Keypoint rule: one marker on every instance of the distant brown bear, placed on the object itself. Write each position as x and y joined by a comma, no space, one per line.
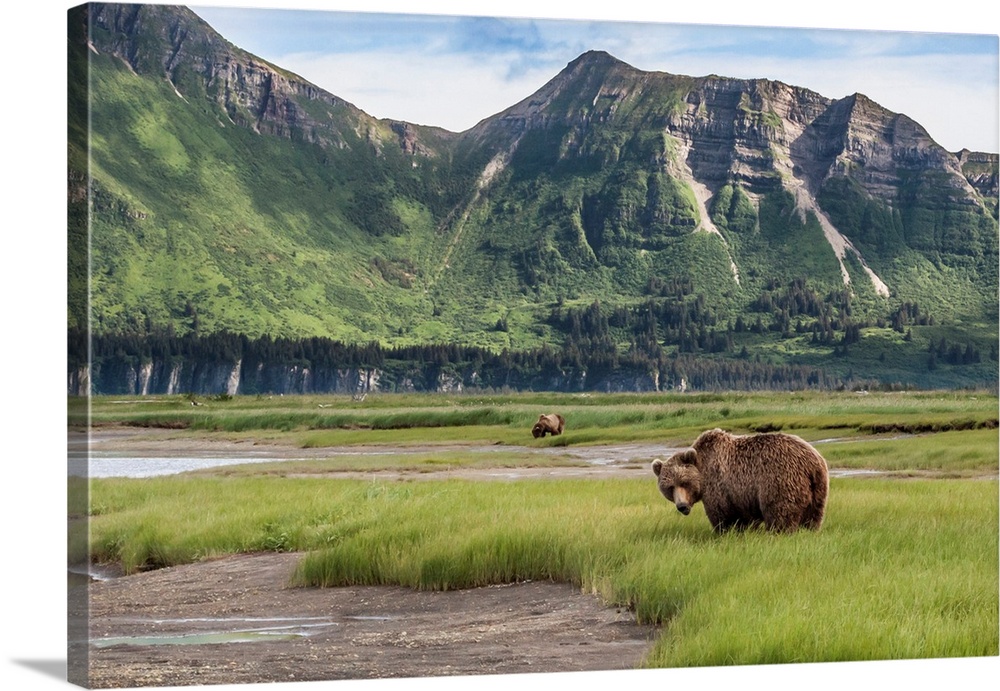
775,480
548,424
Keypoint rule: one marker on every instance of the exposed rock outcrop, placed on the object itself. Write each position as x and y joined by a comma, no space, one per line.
249,91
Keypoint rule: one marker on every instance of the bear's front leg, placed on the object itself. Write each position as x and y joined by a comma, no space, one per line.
722,521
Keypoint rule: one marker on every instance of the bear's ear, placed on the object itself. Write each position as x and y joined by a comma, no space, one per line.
657,464
689,457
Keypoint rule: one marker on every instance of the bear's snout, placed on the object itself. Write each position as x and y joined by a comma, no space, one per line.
684,508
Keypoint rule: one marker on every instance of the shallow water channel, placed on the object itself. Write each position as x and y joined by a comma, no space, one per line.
89,457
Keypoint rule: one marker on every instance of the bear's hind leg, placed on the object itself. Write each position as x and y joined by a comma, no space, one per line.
812,517
784,517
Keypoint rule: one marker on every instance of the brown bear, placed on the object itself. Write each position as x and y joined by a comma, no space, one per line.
774,479
548,424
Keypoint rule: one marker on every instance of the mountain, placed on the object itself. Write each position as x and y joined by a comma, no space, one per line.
713,216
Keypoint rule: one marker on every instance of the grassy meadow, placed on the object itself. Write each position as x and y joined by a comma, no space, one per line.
906,565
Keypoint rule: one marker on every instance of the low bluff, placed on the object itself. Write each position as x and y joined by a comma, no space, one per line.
212,378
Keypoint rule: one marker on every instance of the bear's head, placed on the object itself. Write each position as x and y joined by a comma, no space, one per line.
538,430
679,479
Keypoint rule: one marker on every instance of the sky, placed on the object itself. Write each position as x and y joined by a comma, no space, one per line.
449,68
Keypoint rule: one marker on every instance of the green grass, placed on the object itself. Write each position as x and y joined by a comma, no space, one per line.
901,568
590,419
904,567
846,594
951,452
890,576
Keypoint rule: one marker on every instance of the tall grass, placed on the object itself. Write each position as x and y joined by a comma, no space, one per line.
901,568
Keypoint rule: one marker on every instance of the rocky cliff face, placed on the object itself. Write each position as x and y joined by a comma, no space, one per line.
980,169
250,92
882,148
757,133
744,131
158,377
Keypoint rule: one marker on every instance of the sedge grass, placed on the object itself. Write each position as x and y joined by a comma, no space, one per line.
422,462
591,418
901,569
949,452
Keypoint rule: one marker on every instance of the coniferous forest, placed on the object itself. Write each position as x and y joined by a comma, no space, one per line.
673,341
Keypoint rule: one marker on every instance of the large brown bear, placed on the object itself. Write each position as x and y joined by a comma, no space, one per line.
776,480
548,424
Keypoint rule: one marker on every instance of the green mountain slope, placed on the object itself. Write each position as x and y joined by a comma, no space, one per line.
224,194
200,221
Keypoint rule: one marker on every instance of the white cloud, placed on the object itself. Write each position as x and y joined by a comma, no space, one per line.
452,92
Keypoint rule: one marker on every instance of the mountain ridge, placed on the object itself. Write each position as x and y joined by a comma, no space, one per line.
604,182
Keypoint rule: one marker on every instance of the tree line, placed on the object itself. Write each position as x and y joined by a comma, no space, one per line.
433,367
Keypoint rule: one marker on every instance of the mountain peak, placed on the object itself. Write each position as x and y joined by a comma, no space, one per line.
596,61
596,57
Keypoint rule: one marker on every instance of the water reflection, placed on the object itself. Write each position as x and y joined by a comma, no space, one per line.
107,465
255,635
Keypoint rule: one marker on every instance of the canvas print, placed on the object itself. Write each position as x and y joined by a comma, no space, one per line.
422,346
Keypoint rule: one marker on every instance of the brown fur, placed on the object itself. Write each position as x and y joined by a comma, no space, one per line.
548,424
776,480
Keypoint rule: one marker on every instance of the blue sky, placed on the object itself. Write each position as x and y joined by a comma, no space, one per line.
451,68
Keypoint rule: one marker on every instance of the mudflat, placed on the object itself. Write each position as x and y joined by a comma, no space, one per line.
237,620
